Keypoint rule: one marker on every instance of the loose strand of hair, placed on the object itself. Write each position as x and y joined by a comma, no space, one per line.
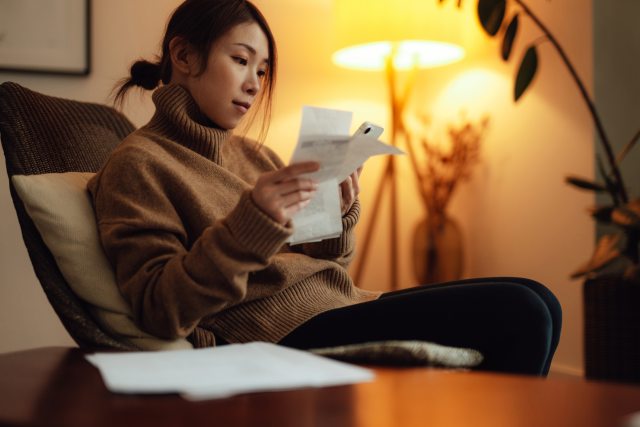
119,92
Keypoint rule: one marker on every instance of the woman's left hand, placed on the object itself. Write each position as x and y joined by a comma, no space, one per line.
349,190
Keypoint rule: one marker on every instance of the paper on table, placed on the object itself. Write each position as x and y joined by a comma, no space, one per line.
324,139
632,420
222,371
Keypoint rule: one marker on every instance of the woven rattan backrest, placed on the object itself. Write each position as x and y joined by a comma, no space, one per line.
43,134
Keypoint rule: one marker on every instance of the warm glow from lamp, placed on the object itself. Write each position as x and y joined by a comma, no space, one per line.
406,55
393,35
413,33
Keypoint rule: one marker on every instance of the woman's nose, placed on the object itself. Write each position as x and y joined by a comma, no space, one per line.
252,85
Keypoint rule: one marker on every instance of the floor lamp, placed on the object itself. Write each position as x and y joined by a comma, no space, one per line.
392,35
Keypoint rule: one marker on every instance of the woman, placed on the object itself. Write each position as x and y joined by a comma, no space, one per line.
195,220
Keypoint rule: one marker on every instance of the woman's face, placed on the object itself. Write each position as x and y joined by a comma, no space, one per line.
236,67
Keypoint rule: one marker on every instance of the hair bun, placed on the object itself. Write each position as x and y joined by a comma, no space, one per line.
145,74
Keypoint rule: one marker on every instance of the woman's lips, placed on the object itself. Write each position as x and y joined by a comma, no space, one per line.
243,107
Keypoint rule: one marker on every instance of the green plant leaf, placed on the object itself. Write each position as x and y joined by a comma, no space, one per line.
584,184
509,37
491,14
526,72
605,252
602,213
628,216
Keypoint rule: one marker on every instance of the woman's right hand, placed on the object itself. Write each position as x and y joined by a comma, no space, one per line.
283,193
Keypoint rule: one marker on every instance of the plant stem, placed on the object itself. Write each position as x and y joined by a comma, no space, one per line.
585,95
627,148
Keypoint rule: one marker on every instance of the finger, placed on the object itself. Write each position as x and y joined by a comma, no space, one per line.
359,170
297,197
344,185
347,190
355,183
293,185
291,210
292,171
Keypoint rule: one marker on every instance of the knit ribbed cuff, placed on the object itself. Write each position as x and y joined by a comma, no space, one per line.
350,219
255,230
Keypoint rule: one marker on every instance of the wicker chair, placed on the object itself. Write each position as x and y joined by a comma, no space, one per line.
43,134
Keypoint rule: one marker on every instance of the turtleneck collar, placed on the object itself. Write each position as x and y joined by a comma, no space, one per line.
178,118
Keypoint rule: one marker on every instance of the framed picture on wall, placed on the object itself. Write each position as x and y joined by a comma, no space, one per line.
45,36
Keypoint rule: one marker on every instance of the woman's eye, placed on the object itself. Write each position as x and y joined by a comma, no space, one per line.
262,74
240,60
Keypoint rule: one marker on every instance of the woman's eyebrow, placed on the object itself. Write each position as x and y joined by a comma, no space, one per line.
250,49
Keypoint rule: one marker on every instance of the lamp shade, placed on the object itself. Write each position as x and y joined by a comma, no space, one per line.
416,33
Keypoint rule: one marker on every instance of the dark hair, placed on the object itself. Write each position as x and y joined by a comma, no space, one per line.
201,23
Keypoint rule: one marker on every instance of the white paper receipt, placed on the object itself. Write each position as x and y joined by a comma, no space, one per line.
324,138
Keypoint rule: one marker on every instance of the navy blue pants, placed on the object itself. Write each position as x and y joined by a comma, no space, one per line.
514,322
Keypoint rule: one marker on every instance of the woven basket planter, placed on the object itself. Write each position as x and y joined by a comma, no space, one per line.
612,330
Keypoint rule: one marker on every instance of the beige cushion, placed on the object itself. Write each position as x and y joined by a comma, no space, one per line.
60,207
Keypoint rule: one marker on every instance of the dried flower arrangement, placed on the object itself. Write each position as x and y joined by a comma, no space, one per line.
445,165
444,162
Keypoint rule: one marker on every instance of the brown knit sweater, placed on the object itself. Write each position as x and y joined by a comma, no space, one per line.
192,253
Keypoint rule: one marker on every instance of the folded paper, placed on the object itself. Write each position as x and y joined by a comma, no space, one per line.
324,138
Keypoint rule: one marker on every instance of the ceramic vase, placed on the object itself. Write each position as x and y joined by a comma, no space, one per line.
437,250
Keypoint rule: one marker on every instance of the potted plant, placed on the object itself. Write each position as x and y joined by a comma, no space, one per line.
611,288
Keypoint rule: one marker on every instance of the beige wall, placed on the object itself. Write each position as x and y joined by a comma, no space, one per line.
617,88
517,215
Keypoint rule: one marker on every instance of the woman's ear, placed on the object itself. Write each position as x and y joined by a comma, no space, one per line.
183,58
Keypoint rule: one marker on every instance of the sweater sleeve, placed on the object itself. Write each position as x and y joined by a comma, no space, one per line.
170,286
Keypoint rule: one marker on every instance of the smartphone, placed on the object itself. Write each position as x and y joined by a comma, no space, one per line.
369,129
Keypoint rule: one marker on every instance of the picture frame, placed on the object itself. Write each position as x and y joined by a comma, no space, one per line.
45,37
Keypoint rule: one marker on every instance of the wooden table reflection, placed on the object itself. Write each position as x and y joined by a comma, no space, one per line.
57,387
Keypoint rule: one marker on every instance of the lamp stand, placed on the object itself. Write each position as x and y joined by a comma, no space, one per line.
398,102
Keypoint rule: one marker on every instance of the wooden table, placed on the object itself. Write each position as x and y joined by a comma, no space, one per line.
57,387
